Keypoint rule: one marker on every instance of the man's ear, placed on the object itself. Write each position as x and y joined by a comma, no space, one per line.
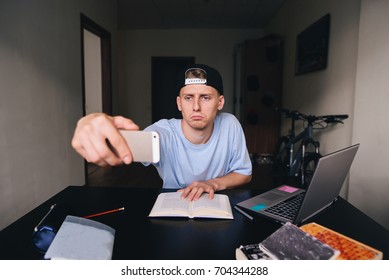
221,102
178,100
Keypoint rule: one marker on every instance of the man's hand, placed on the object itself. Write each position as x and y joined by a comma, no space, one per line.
197,188
98,140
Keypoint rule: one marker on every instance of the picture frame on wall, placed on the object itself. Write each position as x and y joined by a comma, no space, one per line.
312,46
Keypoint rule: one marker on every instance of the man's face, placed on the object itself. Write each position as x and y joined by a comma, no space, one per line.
199,105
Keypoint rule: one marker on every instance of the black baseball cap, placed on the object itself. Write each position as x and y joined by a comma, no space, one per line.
212,79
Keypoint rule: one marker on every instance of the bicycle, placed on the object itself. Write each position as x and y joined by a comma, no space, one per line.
301,164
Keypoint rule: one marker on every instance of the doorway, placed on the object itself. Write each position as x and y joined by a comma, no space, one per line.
164,92
96,73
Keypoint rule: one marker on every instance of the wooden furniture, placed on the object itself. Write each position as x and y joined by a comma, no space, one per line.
261,85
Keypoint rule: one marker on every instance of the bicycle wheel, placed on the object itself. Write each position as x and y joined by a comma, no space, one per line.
310,163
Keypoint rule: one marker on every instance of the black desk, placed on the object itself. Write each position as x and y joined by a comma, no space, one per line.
139,237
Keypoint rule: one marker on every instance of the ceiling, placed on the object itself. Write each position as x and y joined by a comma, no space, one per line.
196,14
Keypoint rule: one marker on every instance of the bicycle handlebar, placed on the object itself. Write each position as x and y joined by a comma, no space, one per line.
296,115
334,118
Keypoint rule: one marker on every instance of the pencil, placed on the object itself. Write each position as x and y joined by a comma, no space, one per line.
104,213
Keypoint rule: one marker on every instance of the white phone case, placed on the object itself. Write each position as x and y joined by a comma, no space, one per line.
144,145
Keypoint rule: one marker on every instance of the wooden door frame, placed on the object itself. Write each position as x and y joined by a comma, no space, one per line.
106,70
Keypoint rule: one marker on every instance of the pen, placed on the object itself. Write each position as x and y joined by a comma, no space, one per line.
243,213
104,213
37,226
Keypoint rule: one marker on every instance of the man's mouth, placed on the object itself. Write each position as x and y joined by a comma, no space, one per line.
196,118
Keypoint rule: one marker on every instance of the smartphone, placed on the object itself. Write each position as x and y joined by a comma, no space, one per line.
144,145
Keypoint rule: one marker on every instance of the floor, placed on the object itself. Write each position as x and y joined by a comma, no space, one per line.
137,175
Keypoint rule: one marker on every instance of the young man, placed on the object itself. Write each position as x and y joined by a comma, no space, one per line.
205,151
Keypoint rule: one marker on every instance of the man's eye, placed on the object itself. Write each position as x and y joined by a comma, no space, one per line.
188,98
206,97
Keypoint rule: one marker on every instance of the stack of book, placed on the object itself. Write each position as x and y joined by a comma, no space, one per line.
350,249
308,242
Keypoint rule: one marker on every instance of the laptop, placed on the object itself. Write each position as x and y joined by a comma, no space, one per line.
290,204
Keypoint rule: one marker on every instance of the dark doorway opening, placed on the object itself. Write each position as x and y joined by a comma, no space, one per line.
164,74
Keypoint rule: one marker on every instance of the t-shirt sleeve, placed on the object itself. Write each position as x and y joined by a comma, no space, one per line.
240,160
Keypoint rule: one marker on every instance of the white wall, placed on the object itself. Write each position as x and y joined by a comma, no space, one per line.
41,100
323,92
369,181
354,83
136,47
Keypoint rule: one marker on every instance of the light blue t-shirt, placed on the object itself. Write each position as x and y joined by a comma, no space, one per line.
183,162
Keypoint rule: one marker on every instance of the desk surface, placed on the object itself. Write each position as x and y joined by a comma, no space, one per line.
139,237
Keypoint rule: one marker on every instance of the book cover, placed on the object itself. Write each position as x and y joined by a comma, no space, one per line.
288,243
172,205
251,252
349,248
82,239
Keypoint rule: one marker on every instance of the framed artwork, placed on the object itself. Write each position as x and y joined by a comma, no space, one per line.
312,46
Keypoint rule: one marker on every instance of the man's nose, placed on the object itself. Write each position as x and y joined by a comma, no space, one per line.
196,105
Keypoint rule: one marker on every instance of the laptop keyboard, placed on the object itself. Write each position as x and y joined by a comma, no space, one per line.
287,209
